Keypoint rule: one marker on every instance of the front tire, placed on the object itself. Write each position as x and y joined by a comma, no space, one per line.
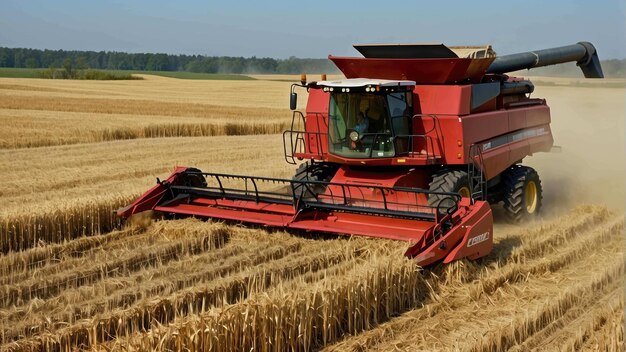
309,171
195,179
523,193
450,182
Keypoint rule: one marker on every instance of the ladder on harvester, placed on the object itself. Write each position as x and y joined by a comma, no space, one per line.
475,173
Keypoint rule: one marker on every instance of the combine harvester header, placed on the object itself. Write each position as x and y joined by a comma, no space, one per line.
412,146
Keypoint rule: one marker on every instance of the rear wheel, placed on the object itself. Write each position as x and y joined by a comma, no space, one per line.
450,182
523,193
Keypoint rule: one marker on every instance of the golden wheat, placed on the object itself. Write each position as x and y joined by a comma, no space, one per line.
67,283
31,128
274,291
198,298
96,179
463,285
252,94
35,115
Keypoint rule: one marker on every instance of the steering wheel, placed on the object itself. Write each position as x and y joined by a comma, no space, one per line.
353,138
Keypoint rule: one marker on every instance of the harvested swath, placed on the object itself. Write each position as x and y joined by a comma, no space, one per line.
120,292
318,255
173,244
555,259
303,318
571,330
454,290
526,244
498,322
579,220
518,248
537,317
608,334
16,264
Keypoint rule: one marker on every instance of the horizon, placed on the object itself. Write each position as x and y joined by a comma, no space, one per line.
217,56
280,29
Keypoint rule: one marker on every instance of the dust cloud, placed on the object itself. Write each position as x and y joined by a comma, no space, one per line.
588,123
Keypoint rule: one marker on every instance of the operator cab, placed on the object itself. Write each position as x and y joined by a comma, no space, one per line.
369,118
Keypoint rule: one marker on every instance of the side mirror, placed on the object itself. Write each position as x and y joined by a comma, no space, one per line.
293,101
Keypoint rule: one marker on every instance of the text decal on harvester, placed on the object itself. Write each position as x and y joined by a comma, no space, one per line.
476,240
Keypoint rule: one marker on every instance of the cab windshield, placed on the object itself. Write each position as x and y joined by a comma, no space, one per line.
369,125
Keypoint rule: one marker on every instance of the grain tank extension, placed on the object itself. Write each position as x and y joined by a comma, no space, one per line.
413,145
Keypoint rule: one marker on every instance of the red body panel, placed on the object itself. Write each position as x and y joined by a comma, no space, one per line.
442,100
473,240
504,136
394,177
316,124
422,71
442,113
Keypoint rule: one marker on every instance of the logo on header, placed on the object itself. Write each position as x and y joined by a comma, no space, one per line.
478,239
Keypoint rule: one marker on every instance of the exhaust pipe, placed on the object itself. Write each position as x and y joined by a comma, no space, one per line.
583,53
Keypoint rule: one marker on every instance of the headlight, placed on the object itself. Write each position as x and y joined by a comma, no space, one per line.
354,136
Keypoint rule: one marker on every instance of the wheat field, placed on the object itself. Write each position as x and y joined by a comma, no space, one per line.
41,112
72,276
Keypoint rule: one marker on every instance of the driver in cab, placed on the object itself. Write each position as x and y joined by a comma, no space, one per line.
362,123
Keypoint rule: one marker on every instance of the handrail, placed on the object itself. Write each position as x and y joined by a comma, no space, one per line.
297,138
436,128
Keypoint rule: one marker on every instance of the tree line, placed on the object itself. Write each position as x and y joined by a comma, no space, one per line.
112,60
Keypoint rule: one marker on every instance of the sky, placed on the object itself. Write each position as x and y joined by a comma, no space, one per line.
313,29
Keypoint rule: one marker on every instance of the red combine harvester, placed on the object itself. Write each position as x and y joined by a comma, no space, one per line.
411,146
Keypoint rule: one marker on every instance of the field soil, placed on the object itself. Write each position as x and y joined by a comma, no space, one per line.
73,277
